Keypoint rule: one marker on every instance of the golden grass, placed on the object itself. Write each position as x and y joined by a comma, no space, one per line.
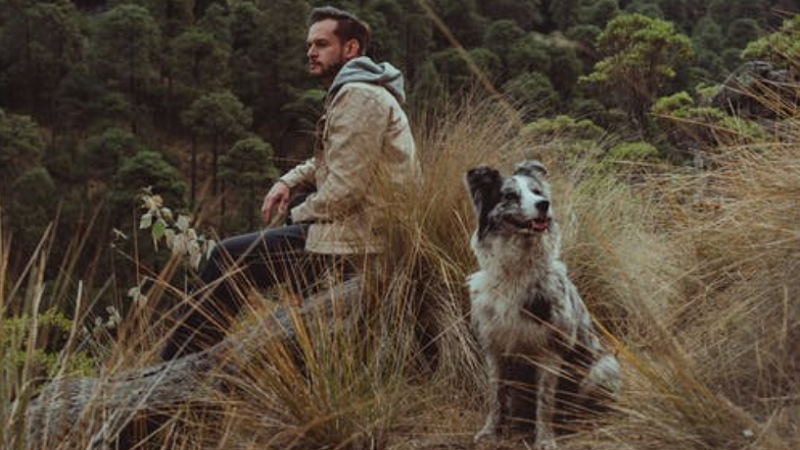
692,276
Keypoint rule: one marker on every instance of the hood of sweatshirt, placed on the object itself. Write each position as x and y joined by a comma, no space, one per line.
365,70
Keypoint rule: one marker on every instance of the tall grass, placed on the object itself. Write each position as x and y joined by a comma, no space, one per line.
697,295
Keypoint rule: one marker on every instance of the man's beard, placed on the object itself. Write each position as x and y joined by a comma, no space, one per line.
330,72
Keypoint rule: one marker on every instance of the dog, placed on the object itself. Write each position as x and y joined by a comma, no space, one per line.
540,347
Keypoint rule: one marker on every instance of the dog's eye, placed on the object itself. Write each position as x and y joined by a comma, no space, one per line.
536,191
510,196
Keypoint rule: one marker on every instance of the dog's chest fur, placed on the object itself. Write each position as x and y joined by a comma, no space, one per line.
518,297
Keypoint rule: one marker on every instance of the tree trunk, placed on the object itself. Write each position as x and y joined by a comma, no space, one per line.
214,164
193,171
94,412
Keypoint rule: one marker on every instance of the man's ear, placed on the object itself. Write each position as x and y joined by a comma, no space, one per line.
351,49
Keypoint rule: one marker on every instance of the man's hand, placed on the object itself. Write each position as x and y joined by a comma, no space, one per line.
278,196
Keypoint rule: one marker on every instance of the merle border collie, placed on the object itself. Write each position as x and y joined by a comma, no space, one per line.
543,356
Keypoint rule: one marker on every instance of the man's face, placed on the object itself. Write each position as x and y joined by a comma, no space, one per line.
326,53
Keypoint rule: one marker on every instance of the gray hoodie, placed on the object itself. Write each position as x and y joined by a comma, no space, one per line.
364,69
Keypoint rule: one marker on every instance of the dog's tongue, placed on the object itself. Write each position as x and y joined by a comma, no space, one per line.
539,225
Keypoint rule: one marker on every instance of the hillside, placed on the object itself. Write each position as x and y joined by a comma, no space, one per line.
676,184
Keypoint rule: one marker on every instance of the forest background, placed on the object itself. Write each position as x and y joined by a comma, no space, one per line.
208,101
678,201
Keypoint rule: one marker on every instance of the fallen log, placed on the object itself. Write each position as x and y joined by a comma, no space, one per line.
94,411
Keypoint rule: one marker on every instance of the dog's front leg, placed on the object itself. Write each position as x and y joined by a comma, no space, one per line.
498,393
547,380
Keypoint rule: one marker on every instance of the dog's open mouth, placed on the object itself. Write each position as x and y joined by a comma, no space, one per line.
539,224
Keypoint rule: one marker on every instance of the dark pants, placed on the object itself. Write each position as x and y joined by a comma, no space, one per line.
261,259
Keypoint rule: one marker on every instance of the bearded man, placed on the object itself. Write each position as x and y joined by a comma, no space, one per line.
363,147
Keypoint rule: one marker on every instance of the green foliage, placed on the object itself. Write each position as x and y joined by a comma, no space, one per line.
83,67
37,49
564,13
707,42
742,31
382,16
427,88
306,109
52,326
248,47
102,153
688,125
500,34
645,8
565,69
463,19
640,55
126,47
781,47
529,54
584,37
145,169
679,11
707,35
176,233
78,103
671,103
600,12
639,151
173,16
563,127
21,146
727,11
216,21
526,13
249,164
533,93
487,62
218,115
568,141
32,212
457,73
198,61
628,162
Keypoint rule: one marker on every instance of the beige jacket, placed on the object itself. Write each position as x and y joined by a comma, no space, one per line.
367,149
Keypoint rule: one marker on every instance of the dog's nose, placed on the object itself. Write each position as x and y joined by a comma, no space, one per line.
543,206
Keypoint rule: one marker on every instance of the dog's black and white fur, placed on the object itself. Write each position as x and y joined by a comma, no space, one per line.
529,318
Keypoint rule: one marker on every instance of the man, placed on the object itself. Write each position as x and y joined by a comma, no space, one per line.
363,148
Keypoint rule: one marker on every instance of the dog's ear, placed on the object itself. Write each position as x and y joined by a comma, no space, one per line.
531,168
484,185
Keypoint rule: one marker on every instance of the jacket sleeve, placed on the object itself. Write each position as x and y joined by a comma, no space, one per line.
302,174
356,124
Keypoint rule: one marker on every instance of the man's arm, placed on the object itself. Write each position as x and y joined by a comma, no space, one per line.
356,124
278,196
302,174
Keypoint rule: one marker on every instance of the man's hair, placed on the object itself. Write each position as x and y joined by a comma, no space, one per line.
348,26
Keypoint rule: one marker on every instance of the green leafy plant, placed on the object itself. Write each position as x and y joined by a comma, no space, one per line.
175,232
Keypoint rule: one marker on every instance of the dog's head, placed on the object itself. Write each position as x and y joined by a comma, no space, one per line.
519,203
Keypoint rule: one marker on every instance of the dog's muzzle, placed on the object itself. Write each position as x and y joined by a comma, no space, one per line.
537,225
